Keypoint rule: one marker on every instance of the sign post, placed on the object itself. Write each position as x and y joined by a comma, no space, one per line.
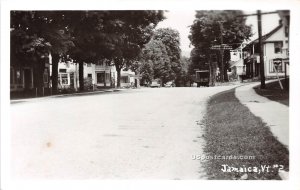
277,62
221,48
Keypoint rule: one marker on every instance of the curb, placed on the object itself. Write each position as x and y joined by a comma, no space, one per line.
64,95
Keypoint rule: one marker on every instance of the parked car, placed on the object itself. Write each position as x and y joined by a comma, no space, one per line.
169,84
155,84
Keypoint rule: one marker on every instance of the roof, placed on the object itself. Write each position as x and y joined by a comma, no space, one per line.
236,63
266,36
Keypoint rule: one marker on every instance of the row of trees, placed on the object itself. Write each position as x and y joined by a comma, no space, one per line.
212,28
161,58
84,36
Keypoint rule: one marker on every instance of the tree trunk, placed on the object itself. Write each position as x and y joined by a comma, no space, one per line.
81,79
118,77
54,77
119,62
212,72
225,73
39,73
222,68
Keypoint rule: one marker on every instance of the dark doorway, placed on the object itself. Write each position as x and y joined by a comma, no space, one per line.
135,83
27,79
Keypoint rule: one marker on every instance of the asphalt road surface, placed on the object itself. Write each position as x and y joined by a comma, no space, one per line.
135,134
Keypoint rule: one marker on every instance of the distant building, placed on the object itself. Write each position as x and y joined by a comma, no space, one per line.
26,75
99,75
276,54
129,79
237,63
96,76
104,75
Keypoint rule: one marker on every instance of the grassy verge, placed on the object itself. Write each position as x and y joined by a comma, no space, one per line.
232,130
274,92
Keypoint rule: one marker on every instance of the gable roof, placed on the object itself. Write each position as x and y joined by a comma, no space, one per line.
264,37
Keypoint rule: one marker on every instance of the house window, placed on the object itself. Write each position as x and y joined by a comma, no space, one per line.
124,79
278,65
64,79
278,47
62,70
100,78
89,75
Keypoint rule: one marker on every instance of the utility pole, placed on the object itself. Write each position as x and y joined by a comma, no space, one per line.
222,50
261,52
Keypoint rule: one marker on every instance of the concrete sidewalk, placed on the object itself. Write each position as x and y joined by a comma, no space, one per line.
274,114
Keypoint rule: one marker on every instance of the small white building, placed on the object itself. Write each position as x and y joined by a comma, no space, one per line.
96,76
104,75
276,54
68,75
237,63
129,79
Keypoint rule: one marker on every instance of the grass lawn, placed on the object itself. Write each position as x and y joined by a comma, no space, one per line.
232,130
274,92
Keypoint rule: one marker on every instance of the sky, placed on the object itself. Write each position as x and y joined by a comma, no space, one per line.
181,20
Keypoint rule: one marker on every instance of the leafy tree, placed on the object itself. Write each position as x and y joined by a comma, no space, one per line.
198,61
183,77
126,33
86,35
91,42
34,35
155,54
171,39
146,72
206,31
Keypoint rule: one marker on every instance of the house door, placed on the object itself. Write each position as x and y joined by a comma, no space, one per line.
27,79
72,84
135,83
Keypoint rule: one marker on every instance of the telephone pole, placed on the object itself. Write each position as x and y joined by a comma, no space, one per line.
222,50
261,52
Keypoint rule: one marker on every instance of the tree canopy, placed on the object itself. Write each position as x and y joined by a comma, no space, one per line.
155,54
207,31
163,53
126,33
35,34
86,36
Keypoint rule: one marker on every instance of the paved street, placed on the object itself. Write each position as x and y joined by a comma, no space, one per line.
135,134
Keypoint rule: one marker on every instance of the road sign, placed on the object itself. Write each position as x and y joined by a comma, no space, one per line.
220,47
